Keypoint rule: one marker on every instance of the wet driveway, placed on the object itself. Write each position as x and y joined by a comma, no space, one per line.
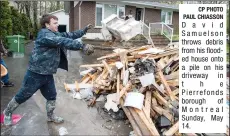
79,119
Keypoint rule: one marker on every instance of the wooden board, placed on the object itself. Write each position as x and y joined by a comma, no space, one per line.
172,130
147,107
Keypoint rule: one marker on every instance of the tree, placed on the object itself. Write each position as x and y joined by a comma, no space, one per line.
5,21
16,21
35,16
58,5
26,25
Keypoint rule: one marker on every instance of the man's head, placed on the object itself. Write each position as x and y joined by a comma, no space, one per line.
50,22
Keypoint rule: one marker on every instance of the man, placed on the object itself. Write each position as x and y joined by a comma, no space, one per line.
48,55
5,79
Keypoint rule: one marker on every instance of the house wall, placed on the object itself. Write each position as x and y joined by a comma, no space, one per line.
88,12
152,15
88,9
175,22
130,10
71,16
76,17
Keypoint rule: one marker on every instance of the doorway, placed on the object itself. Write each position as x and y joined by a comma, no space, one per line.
139,14
62,28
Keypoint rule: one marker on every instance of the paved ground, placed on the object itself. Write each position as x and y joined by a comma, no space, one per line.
79,119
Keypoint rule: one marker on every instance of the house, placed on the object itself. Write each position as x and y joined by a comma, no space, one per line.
63,20
83,12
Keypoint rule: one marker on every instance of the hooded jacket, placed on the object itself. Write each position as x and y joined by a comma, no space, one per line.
50,50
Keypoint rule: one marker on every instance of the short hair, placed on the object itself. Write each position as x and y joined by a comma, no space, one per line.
46,19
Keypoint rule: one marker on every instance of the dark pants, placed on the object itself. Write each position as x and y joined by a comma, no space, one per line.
4,79
32,82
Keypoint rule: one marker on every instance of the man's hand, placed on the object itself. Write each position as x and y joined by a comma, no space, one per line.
89,26
88,49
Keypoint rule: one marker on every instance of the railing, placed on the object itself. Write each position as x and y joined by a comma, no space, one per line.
162,29
146,32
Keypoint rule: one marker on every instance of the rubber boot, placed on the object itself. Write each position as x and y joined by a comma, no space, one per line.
50,106
8,112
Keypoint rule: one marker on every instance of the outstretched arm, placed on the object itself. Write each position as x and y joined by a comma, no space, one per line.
76,34
52,40
73,35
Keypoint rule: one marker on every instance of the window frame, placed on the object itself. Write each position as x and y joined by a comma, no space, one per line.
166,16
103,11
96,14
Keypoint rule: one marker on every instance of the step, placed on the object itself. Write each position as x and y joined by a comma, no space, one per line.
161,41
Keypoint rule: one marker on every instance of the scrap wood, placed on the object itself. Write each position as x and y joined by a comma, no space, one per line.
107,67
150,125
118,87
172,130
164,82
125,89
190,134
147,106
135,127
163,101
161,111
137,124
148,122
95,65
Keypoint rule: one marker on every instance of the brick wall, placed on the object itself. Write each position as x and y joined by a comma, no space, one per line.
131,9
88,10
71,16
175,22
76,17
87,16
152,15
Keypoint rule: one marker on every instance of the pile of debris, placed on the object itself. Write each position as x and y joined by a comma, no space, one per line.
142,81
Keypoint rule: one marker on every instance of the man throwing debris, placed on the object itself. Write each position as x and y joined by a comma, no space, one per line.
48,55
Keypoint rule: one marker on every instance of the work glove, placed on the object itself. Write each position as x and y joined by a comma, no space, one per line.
89,26
88,49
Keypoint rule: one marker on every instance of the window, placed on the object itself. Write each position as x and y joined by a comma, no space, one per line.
166,17
109,10
105,10
99,14
121,11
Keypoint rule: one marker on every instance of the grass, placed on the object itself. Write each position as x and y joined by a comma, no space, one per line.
175,38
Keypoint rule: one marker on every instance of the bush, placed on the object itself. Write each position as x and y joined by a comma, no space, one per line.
26,25
17,22
5,21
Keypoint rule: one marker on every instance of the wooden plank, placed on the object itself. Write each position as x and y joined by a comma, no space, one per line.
176,92
190,134
86,80
140,122
174,75
161,111
147,107
160,98
158,88
102,73
164,82
95,65
118,87
149,124
107,67
135,127
137,124
125,89
172,130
